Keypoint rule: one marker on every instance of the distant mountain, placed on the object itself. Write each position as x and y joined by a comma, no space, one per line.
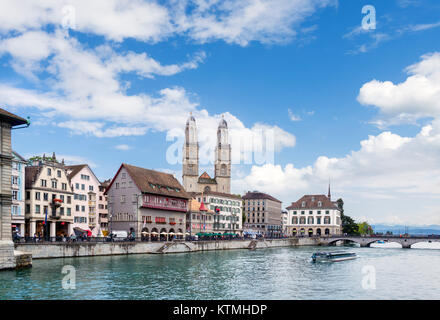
415,230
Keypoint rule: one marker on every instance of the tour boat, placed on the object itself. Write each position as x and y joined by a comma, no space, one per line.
335,256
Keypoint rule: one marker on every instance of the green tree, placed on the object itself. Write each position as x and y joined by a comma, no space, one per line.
365,228
349,226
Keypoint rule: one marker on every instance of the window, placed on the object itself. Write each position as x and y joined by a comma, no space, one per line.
326,220
28,195
123,175
294,212
37,196
49,171
122,198
83,208
77,208
303,204
327,212
69,213
54,184
14,195
59,173
83,187
45,196
43,183
117,185
37,208
319,204
14,180
28,208
90,188
64,186
319,211
310,212
76,185
62,211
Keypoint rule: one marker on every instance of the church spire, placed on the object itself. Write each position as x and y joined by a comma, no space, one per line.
329,194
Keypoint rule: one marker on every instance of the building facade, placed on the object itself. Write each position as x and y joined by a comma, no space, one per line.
48,193
148,201
103,206
191,180
17,186
314,215
85,186
7,122
263,213
227,210
199,218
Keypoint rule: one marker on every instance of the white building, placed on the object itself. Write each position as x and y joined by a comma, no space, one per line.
17,186
85,186
227,210
313,215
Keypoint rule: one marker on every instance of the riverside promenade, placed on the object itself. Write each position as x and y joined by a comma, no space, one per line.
89,249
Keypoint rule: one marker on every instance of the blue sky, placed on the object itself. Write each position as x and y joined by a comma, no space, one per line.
110,88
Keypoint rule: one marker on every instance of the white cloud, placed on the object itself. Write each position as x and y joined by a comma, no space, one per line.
241,22
237,22
416,97
123,147
292,116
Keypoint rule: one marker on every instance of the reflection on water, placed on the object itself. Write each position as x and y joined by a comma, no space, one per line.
282,273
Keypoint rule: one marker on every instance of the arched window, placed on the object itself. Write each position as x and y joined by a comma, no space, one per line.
295,220
310,220
326,220
302,220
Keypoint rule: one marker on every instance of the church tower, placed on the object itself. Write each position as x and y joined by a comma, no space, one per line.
190,170
223,159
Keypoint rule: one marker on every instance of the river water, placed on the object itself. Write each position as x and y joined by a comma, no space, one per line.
278,273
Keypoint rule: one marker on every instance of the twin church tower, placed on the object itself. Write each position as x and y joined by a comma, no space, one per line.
192,182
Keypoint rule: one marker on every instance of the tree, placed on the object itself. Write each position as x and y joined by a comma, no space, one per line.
365,228
349,226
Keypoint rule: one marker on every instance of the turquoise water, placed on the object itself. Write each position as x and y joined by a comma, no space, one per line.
280,273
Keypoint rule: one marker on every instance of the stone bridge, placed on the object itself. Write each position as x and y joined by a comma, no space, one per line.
406,242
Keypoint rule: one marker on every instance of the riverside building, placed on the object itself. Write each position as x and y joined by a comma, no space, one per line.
263,213
8,121
314,215
17,186
103,206
227,210
199,219
85,186
147,201
49,198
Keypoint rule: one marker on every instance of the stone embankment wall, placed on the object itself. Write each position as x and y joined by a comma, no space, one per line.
86,249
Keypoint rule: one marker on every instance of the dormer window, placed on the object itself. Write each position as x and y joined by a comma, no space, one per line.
313,199
303,204
319,204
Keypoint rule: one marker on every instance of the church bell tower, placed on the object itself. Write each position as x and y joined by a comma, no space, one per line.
190,170
223,158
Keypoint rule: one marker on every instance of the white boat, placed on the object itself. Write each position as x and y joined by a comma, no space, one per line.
335,256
